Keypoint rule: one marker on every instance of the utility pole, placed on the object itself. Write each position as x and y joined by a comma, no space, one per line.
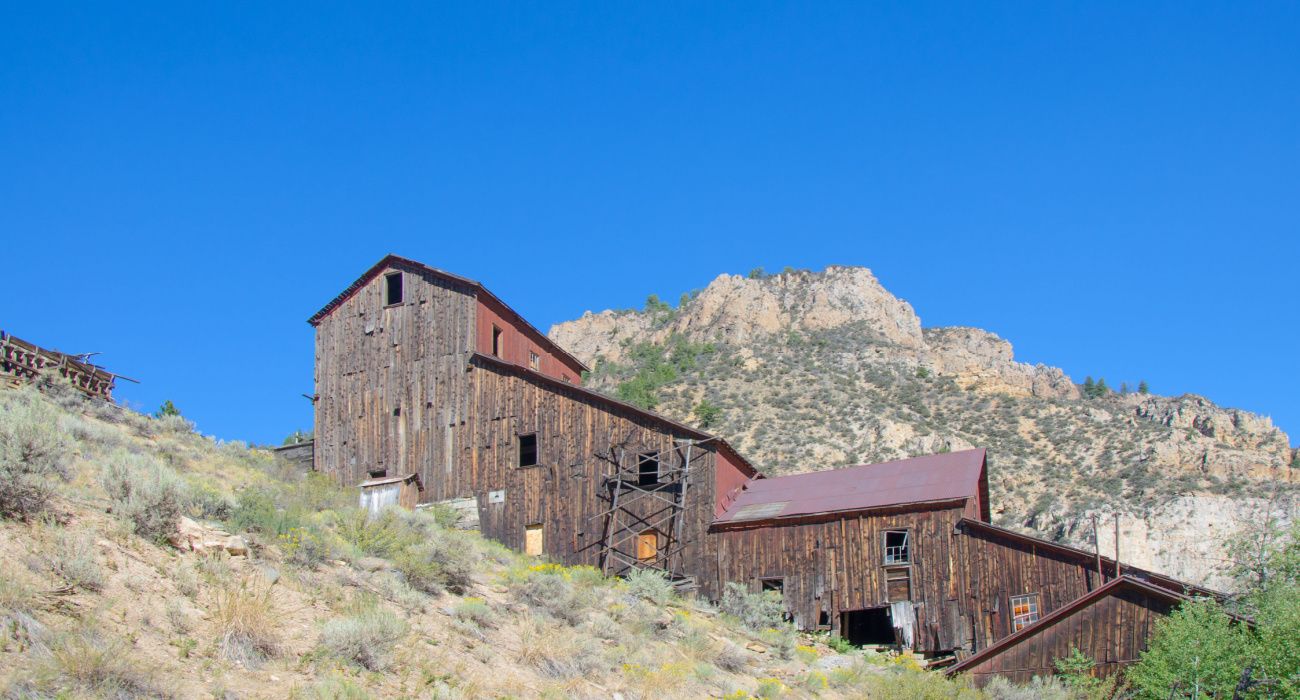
1116,544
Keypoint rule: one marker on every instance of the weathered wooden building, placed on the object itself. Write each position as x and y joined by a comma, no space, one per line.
1110,624
421,372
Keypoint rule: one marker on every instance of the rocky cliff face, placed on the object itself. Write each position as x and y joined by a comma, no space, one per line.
819,370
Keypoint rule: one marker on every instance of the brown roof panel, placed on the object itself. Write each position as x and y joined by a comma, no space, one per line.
933,478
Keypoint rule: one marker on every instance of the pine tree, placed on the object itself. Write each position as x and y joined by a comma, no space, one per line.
1101,387
1143,388
167,409
1089,388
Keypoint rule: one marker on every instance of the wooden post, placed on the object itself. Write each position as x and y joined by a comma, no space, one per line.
1116,544
1096,548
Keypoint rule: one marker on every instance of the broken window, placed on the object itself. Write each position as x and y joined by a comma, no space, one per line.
496,341
897,547
534,361
533,540
393,289
528,450
772,584
1024,611
647,468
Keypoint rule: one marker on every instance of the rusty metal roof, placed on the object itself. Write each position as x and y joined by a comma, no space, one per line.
933,478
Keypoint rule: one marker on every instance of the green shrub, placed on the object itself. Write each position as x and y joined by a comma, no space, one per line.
1196,647
650,584
34,454
305,546
444,560
382,535
367,637
72,558
757,611
474,611
144,493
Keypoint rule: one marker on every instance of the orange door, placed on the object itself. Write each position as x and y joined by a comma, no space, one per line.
647,546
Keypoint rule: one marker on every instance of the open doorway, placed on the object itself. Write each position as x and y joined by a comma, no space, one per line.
870,626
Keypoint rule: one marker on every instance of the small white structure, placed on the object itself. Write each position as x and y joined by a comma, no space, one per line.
384,491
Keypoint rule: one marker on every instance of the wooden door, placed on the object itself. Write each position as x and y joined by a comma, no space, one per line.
647,546
533,540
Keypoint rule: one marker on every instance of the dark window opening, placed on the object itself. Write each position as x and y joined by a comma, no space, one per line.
377,473
496,341
897,547
647,469
528,450
871,626
393,289
898,584
772,584
824,619
397,411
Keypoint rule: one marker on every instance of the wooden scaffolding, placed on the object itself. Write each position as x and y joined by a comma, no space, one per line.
645,521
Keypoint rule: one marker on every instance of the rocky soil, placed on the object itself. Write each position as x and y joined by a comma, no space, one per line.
817,370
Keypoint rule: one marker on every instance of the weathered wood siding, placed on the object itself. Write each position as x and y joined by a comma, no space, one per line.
518,339
389,380
837,565
577,434
1113,630
995,569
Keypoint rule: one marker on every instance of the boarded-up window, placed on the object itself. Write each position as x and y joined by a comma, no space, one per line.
393,289
528,450
648,469
647,546
897,547
898,583
533,540
1024,611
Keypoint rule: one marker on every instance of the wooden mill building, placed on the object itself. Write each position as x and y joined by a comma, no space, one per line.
427,376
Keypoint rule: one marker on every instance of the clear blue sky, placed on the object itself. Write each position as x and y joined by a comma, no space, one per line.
1114,188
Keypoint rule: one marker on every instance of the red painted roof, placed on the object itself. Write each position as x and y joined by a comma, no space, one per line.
933,478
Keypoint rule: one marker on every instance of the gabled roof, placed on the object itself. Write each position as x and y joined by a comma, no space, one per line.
932,479
1167,583
1074,606
596,396
391,260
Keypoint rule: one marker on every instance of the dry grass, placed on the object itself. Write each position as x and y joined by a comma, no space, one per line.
86,663
559,651
245,616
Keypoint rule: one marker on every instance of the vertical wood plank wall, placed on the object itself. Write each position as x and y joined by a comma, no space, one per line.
836,565
1113,631
390,379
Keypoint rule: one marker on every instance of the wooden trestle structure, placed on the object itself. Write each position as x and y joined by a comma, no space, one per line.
637,509
21,360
